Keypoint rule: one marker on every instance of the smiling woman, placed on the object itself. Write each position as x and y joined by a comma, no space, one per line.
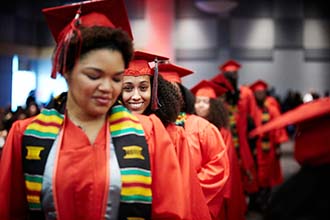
137,93
85,156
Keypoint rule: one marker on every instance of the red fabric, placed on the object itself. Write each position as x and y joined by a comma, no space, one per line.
221,80
81,177
13,204
312,138
259,85
207,92
230,65
312,141
166,174
80,194
138,68
307,111
102,13
235,206
246,107
173,73
270,100
195,199
139,65
208,89
210,159
269,169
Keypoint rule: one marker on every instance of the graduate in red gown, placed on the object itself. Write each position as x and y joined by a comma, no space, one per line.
85,156
267,151
241,105
140,97
207,147
209,106
306,194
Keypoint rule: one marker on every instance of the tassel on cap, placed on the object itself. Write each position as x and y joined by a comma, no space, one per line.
59,65
64,23
154,101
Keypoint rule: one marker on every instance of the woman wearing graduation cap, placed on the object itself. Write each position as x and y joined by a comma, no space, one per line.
209,106
145,92
241,105
269,173
208,150
267,110
85,156
306,194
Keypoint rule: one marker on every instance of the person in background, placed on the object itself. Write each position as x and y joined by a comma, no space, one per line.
32,109
85,156
242,107
306,194
268,151
210,107
140,97
208,150
291,100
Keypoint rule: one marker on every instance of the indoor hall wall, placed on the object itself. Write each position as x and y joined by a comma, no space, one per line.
286,43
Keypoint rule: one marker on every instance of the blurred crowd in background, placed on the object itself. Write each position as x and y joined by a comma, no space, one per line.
291,100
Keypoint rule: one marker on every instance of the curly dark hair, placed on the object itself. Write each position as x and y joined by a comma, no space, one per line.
168,102
218,114
96,37
188,100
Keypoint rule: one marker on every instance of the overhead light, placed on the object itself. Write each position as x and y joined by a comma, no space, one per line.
216,6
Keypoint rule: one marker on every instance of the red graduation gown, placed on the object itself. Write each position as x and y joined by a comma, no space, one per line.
246,107
269,170
210,159
235,206
196,203
81,181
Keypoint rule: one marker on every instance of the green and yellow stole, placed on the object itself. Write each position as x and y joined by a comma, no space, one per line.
265,140
131,151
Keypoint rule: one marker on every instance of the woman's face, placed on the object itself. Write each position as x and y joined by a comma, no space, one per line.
95,83
202,106
136,93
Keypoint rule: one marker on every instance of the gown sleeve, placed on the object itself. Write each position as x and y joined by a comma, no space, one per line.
13,204
195,199
215,168
167,188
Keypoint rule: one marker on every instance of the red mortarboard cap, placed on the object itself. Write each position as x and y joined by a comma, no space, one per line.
108,13
221,80
208,89
173,73
259,85
313,131
230,66
140,64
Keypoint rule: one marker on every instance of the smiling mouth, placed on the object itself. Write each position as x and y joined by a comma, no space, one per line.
135,105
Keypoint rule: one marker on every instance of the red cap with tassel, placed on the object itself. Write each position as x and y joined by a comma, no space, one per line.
173,73
208,89
139,66
64,22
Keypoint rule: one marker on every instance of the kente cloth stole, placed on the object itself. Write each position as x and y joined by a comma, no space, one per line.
131,151
232,110
181,119
265,141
